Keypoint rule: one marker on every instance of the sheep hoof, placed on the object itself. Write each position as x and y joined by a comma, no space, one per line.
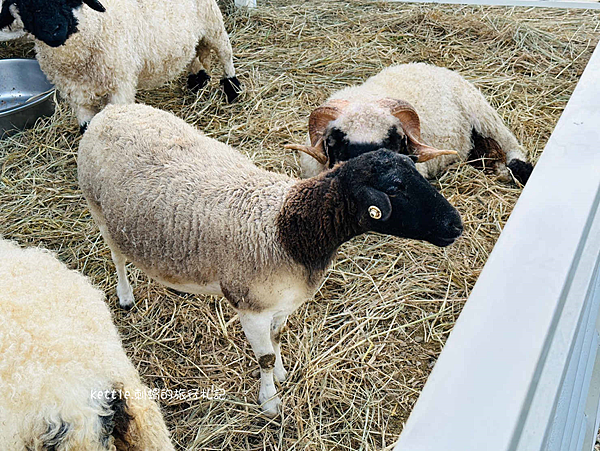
521,170
126,299
232,88
83,127
272,407
126,307
196,82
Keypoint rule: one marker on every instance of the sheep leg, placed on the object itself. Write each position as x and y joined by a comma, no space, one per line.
221,45
85,114
198,76
124,291
257,327
277,326
231,85
225,55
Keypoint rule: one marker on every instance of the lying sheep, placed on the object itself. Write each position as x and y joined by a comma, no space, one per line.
96,57
199,217
64,376
382,112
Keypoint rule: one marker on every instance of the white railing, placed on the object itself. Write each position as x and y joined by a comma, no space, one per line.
521,369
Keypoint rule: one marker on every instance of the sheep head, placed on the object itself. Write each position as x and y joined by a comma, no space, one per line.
325,137
390,196
50,21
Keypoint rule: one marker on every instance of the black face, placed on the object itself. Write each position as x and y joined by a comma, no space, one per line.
410,207
50,21
339,148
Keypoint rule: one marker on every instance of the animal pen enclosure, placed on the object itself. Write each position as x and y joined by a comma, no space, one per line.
360,352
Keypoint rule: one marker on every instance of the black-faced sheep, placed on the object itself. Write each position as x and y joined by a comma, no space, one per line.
199,217
396,107
95,57
66,382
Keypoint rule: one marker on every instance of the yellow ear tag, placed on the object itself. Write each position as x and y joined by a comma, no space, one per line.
374,212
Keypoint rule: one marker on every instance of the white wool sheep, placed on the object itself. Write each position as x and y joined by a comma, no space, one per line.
95,58
199,217
453,114
59,354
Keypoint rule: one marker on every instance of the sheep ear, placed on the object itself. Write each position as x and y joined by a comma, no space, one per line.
95,5
411,124
374,204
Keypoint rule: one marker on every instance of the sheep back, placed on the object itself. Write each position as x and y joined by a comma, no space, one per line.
183,207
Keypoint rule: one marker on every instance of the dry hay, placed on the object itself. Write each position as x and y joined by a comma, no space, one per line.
360,352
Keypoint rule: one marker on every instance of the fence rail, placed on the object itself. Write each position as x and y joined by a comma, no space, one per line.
521,369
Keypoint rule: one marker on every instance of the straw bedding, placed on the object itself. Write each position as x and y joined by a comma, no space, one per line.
360,352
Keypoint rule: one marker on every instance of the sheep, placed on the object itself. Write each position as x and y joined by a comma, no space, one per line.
104,53
66,382
393,108
199,217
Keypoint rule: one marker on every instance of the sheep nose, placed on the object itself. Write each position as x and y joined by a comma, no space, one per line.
57,30
458,229
454,226
54,35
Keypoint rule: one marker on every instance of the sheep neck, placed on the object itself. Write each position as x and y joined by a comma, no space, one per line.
316,219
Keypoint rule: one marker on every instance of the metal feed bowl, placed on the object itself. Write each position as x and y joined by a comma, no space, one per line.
25,94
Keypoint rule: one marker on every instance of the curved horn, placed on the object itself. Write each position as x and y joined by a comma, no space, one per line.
317,123
95,5
409,119
316,151
426,153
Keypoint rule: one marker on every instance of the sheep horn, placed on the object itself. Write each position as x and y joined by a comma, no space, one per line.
95,5
409,119
426,153
317,151
317,123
